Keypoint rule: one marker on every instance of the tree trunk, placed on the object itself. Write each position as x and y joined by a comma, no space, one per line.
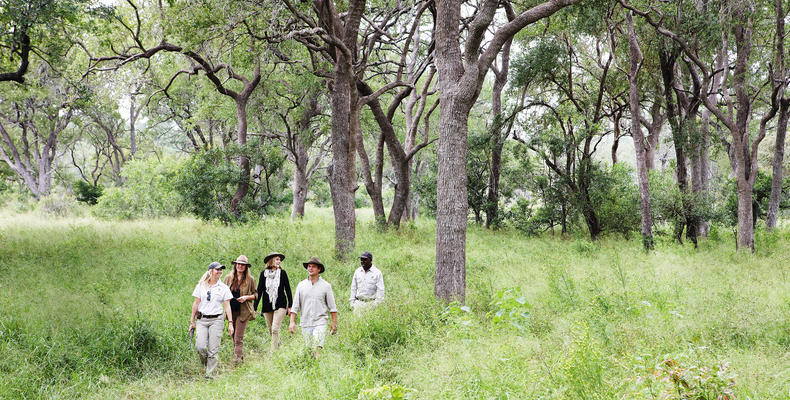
244,161
451,194
781,128
132,132
300,191
636,132
495,167
777,173
342,177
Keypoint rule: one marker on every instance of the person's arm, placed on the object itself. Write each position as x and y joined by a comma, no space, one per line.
261,289
195,305
228,315
294,310
353,289
380,288
333,327
287,288
251,296
330,303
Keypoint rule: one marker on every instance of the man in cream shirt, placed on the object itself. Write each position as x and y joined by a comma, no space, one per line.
367,285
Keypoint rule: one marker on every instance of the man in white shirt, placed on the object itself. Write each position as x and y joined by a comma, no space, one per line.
315,300
367,285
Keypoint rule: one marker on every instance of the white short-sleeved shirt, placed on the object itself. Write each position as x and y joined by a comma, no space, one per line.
219,293
314,302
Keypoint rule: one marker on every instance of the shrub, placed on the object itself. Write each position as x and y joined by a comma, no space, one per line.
386,392
147,192
87,193
208,182
510,309
58,204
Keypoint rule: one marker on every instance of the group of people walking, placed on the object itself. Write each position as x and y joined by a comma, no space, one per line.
236,299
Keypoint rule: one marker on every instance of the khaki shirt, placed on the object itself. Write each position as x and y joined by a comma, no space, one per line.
314,302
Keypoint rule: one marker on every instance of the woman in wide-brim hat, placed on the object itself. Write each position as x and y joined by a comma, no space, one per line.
275,296
242,286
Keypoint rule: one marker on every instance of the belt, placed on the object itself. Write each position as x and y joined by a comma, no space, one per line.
365,300
211,316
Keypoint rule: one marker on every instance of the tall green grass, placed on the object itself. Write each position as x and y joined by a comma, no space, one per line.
97,309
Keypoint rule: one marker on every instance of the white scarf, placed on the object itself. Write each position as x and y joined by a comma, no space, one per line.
272,284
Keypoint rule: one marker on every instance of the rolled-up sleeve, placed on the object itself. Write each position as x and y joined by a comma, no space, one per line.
330,299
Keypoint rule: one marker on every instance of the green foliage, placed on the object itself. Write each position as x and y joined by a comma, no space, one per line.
589,308
208,182
87,193
58,204
682,376
539,63
148,191
675,207
510,309
387,392
615,197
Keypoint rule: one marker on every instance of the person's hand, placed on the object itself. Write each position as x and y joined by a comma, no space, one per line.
242,299
292,328
333,328
191,326
230,329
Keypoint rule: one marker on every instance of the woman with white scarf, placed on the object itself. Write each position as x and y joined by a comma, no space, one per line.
274,294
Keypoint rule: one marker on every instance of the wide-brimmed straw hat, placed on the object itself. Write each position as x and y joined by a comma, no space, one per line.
242,259
272,255
316,261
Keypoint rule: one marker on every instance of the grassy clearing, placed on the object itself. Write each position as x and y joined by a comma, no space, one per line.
99,309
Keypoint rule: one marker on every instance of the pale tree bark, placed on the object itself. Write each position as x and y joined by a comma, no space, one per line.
636,132
653,128
461,77
31,148
499,133
743,149
211,71
784,114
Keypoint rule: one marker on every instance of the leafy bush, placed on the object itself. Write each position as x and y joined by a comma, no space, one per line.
510,309
208,182
87,193
386,392
58,204
615,197
678,377
148,191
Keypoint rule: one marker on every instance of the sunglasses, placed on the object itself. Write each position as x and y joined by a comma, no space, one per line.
208,296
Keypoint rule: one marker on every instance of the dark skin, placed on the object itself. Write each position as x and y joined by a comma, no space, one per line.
366,263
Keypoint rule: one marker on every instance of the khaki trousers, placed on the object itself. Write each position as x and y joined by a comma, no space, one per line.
209,335
274,319
239,327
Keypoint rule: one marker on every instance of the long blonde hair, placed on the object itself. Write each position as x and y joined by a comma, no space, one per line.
203,282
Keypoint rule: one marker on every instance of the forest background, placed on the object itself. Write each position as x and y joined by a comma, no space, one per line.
595,189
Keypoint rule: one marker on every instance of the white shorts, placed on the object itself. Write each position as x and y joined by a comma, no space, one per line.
314,335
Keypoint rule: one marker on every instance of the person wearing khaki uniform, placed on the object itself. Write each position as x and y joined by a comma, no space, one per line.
212,301
242,286
275,296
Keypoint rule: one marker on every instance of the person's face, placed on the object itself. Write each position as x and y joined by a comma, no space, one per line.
277,260
240,268
366,262
313,270
216,273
